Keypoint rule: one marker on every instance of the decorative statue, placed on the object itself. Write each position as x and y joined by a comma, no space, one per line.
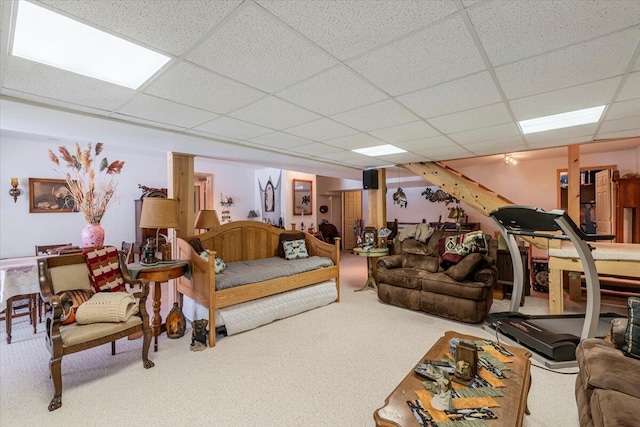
199,335
441,400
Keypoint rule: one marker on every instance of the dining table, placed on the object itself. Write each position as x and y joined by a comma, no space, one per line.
19,280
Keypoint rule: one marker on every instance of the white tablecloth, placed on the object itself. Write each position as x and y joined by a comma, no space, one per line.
18,276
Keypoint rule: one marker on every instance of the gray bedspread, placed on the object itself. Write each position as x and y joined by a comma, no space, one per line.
245,272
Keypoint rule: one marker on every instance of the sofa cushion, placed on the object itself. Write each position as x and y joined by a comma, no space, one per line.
408,278
631,345
401,297
412,246
612,408
465,267
441,283
422,262
285,237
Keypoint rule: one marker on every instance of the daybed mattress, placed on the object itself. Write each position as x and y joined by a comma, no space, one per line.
602,251
258,270
251,314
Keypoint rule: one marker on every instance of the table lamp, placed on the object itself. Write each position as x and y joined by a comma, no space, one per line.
207,219
456,213
157,213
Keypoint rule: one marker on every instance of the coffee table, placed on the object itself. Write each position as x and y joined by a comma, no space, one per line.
513,405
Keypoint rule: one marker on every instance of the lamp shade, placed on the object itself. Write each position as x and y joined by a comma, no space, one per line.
207,219
159,213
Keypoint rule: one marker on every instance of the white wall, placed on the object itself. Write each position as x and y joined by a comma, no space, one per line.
20,230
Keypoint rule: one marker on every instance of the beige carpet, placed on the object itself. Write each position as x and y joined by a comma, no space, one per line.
332,366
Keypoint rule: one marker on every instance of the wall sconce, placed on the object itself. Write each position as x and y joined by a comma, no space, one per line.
226,201
253,214
15,191
508,160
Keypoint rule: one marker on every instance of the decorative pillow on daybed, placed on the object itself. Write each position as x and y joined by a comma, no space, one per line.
220,265
285,237
112,307
453,249
71,300
295,249
104,269
631,345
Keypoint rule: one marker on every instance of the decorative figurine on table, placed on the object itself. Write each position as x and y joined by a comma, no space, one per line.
466,363
442,399
199,335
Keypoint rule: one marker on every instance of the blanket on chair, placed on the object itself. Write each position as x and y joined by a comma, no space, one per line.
112,307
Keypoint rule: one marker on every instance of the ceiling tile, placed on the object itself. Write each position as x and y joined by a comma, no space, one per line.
627,123
49,82
620,110
368,162
513,30
559,134
472,119
637,66
258,50
321,130
347,28
210,135
161,26
376,116
163,111
419,145
53,102
485,134
281,140
563,100
315,149
512,143
469,3
462,94
274,113
229,127
352,142
440,53
147,122
405,132
446,153
401,158
548,143
619,134
333,91
631,87
195,86
345,156
594,60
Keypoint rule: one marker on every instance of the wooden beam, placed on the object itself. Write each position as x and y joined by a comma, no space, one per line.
377,199
573,190
180,183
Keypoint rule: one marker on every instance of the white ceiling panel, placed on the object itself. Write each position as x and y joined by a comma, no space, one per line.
163,111
597,59
376,116
472,119
619,134
405,132
630,88
485,134
458,95
563,100
402,158
512,143
274,113
321,130
345,156
230,127
280,140
192,85
33,78
257,50
351,142
547,143
419,145
627,123
621,110
513,30
367,162
18,95
637,66
330,24
446,153
560,134
440,53
315,149
148,122
333,91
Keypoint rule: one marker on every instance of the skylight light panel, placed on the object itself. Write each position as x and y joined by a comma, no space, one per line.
380,150
52,39
562,120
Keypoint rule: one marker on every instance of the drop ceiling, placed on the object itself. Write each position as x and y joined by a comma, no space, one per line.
304,82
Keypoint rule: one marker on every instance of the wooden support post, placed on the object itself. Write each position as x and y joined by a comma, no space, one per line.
377,199
573,191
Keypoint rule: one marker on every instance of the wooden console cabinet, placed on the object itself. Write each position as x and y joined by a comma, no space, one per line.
627,205
504,265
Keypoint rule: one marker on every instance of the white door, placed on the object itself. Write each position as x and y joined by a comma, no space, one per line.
603,202
351,211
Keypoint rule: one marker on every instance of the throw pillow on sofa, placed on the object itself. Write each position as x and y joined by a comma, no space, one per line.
286,237
453,249
295,249
631,345
465,267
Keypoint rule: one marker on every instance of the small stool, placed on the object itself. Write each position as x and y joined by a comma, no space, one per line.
9,314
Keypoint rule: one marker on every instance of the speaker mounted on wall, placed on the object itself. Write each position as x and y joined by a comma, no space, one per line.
370,179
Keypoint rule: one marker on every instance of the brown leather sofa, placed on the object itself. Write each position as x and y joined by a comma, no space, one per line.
413,278
608,384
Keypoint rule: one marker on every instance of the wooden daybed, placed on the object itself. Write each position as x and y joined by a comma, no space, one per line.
244,241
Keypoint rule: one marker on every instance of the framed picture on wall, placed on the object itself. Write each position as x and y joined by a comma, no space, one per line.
302,200
50,195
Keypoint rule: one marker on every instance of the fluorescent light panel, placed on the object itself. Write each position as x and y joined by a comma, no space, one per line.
379,150
52,39
562,120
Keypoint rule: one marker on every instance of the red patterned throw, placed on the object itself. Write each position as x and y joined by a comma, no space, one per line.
104,270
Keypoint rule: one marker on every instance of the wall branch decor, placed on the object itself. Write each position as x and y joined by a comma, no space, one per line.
438,196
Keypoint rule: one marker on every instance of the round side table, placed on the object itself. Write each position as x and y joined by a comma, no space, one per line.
372,255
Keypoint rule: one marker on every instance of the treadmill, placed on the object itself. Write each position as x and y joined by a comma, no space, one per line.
552,338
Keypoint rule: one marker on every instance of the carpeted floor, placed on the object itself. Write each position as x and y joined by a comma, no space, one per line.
332,366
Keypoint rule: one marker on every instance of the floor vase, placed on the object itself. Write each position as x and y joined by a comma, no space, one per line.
92,236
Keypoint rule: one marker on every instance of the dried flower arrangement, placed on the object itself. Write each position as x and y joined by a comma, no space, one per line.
91,198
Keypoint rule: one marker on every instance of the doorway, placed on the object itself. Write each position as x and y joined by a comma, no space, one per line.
351,211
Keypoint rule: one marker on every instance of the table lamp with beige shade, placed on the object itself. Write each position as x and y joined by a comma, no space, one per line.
207,219
158,213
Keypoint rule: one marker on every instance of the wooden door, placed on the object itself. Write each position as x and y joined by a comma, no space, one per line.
603,202
351,211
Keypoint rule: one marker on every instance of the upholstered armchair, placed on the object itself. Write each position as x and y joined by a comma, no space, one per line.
65,283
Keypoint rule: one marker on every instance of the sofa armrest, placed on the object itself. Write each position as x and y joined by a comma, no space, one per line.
486,275
618,331
390,261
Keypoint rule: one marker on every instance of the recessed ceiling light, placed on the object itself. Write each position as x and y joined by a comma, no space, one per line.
52,39
562,120
380,150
